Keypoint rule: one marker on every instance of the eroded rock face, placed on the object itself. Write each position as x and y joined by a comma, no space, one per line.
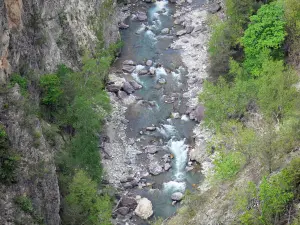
144,208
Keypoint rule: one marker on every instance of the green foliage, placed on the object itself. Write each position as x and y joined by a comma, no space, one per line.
224,101
24,203
219,48
21,81
85,204
277,94
266,31
292,18
51,91
227,165
8,159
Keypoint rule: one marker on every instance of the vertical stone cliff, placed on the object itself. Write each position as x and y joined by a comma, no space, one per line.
36,36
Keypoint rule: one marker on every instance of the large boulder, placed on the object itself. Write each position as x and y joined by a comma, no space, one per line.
144,208
177,196
128,202
123,211
122,94
149,62
114,87
135,85
142,16
127,87
128,68
129,62
181,32
155,168
214,8
198,113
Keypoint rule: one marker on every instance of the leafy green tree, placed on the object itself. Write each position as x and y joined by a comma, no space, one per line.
51,90
277,94
266,31
85,205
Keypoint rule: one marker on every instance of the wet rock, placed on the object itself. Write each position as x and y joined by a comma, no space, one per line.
143,72
152,103
189,29
122,25
123,211
149,62
129,202
129,62
189,168
135,85
181,32
148,1
122,94
214,8
152,71
142,16
165,31
128,68
177,196
161,81
167,166
155,168
127,87
175,115
172,1
144,208
150,128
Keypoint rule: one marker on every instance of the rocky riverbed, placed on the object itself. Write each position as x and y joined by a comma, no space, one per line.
148,152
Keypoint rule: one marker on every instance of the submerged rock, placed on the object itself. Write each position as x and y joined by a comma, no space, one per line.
177,196
144,208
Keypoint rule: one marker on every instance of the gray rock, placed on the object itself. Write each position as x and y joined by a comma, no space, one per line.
127,87
144,208
122,94
181,32
178,21
177,196
123,211
189,29
197,114
189,168
167,166
122,25
143,72
135,85
149,62
155,168
128,68
127,185
214,8
185,41
113,88
129,62
148,1
165,31
197,28
166,158
152,71
150,128
142,16
162,81
172,1
152,149
128,202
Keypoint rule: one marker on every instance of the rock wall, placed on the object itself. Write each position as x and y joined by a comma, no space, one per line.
37,35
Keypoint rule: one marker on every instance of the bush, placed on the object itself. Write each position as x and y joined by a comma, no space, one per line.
51,90
84,204
21,81
24,203
266,31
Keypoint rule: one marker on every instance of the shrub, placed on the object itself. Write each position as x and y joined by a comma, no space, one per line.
51,90
24,203
21,81
266,31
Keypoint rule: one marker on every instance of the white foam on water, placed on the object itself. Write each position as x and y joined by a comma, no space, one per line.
135,73
149,34
167,130
179,150
141,29
185,118
160,71
174,186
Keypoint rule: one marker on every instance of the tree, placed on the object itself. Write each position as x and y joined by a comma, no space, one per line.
51,90
85,205
266,31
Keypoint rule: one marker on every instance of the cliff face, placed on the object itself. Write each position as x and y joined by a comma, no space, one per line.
37,35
